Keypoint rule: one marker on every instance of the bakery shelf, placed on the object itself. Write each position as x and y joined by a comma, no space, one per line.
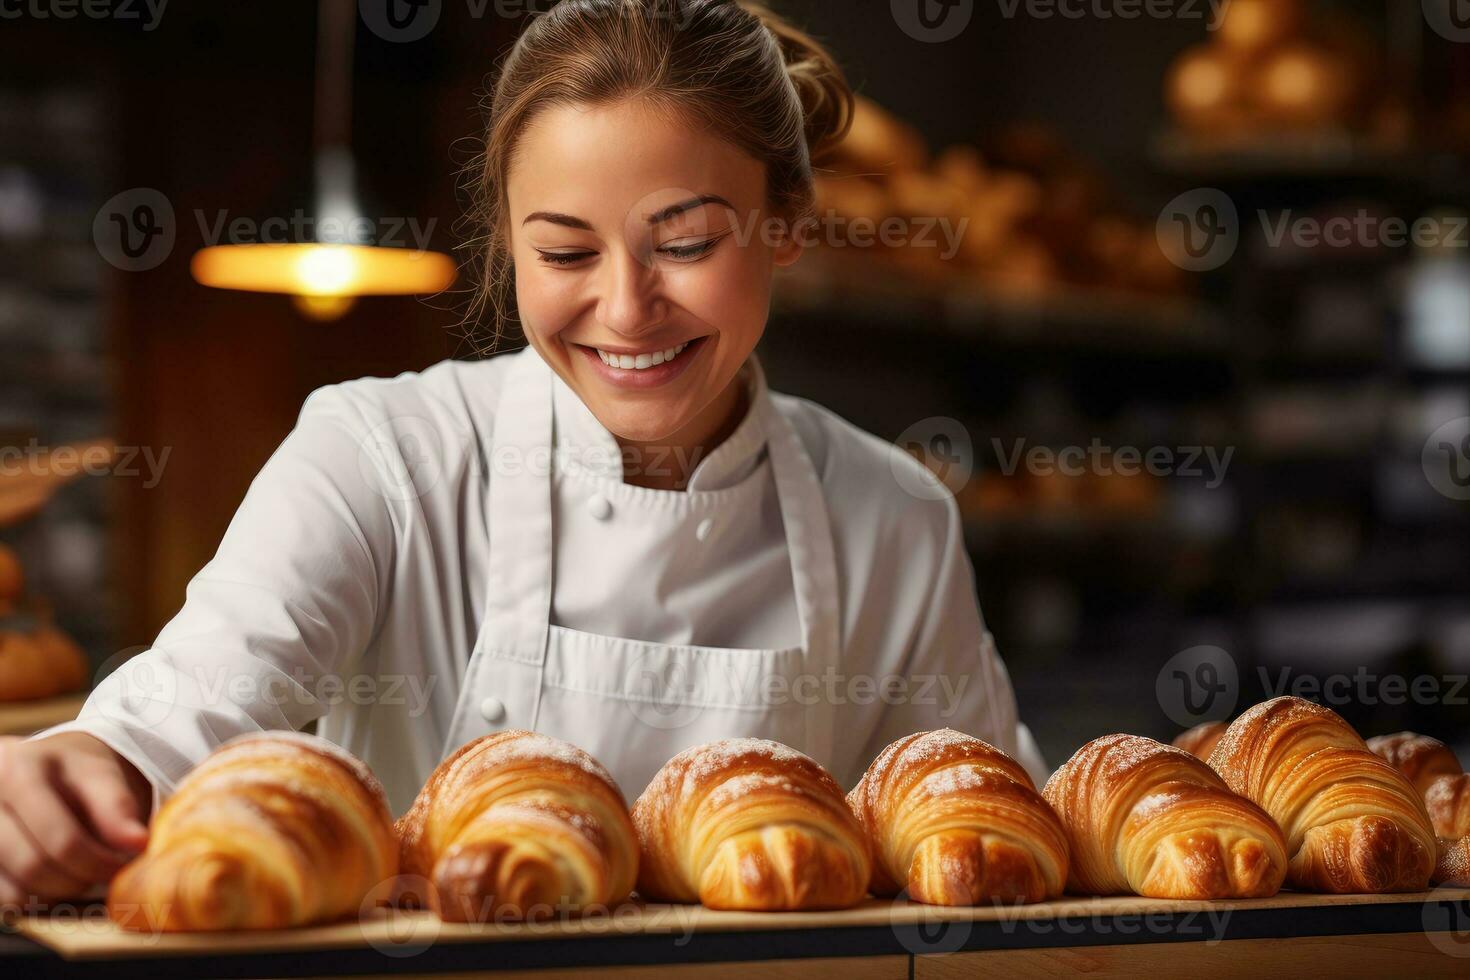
1059,317
880,938
1321,155
27,717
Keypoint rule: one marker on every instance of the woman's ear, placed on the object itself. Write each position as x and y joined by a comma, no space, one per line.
791,243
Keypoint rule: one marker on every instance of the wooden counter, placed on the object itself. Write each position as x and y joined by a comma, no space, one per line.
1424,934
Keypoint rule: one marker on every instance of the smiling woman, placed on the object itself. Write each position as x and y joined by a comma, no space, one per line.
621,198
703,559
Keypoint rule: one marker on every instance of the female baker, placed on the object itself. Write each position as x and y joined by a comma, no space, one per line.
618,535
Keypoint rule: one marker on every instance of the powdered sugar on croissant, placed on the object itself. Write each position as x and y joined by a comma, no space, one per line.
955,821
1448,803
1353,823
1152,819
271,830
1420,758
749,824
517,825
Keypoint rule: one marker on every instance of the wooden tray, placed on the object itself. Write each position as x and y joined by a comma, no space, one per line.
877,938
29,717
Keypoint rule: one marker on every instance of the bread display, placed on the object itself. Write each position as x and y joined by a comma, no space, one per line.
40,663
1200,740
1420,758
517,825
1448,803
749,823
1352,822
1272,69
12,580
1435,772
1151,819
955,821
1017,221
272,830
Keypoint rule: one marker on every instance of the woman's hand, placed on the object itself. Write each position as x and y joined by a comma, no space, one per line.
72,812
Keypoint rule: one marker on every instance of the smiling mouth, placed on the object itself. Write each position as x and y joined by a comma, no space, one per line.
641,361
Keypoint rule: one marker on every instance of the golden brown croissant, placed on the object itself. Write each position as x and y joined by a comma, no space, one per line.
748,823
1200,740
1152,819
517,825
958,822
1352,821
1420,758
39,663
1448,803
273,829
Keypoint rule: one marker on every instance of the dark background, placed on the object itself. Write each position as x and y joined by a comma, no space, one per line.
1324,558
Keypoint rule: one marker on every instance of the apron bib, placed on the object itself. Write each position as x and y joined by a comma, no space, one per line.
633,704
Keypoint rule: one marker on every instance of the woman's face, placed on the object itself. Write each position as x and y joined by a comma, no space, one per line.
635,238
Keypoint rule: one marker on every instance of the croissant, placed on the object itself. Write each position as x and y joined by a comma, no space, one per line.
1448,803
958,822
1352,821
1200,740
514,825
1420,758
40,663
1151,819
272,830
749,824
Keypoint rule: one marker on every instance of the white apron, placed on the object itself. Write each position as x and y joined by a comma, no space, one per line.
634,704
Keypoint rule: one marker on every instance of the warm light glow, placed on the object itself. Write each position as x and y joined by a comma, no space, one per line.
323,307
326,271
323,270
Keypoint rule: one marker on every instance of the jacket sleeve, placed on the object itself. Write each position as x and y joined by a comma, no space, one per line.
290,598
956,675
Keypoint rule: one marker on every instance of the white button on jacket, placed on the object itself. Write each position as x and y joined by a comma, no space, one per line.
415,567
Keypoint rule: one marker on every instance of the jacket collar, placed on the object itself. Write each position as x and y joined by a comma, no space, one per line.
584,443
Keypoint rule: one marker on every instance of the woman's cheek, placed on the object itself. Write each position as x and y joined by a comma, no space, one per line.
544,305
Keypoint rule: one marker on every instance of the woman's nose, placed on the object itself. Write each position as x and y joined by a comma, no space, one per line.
630,302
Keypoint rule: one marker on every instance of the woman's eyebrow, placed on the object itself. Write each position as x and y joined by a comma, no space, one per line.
662,214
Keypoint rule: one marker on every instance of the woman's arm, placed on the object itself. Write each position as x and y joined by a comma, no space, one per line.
956,679
291,596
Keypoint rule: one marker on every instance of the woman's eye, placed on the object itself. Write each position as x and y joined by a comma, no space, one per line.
693,251
563,257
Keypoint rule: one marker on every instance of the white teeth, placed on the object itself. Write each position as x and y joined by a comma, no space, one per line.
640,362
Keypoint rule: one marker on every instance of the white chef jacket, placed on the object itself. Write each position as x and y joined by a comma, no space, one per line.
353,583
723,535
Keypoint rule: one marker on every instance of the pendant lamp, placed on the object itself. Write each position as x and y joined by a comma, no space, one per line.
339,260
